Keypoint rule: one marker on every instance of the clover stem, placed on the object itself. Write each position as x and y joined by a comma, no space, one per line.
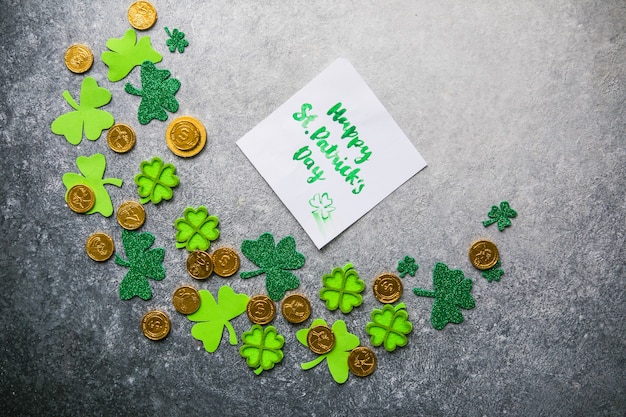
258,370
423,293
114,181
231,333
70,100
313,363
489,222
132,90
251,274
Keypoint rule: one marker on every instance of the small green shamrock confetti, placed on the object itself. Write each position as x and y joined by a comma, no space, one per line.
494,273
86,115
275,262
92,168
177,40
212,317
262,348
126,53
143,264
342,289
196,229
156,180
500,215
389,327
452,292
157,94
337,358
407,266
322,205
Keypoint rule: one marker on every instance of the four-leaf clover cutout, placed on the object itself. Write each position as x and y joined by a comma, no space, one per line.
196,229
262,348
389,327
156,180
342,289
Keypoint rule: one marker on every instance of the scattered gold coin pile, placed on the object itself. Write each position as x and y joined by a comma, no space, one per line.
186,299
199,264
78,58
320,339
121,138
261,309
484,254
99,246
155,325
81,198
387,288
131,215
142,15
185,136
296,308
362,361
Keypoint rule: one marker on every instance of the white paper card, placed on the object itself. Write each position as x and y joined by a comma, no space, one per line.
331,152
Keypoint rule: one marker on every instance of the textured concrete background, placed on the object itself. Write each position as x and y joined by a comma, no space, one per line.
510,100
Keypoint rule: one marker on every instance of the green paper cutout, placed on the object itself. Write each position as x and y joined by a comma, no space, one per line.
156,180
157,94
262,348
92,168
500,215
274,261
177,40
212,317
337,358
86,114
342,289
452,292
126,53
389,327
494,273
196,229
143,264
407,266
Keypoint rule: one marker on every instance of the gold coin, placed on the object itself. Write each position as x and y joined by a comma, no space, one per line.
296,308
320,339
199,264
81,198
155,325
483,254
142,15
78,58
185,136
121,138
186,299
261,309
131,215
362,361
99,246
387,288
225,262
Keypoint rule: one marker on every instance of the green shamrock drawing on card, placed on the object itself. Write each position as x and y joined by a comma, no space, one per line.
156,180
342,289
196,229
126,53
500,215
262,348
389,327
322,205
157,94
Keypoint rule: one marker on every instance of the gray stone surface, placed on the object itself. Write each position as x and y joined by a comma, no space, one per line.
522,101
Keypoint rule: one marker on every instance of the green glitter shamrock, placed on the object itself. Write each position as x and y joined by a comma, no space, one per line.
177,40
196,229
493,273
262,348
452,292
275,261
322,204
407,266
92,168
212,317
337,358
156,180
389,327
126,53
500,215
342,289
143,264
157,94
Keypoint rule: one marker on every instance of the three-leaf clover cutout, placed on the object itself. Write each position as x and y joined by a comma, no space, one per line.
86,115
262,348
494,273
156,180
142,262
389,327
342,289
157,94
176,41
407,266
322,205
500,215
196,229
126,53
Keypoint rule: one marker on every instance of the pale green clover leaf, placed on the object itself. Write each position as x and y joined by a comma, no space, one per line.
342,289
322,204
262,348
156,180
389,327
196,229
126,53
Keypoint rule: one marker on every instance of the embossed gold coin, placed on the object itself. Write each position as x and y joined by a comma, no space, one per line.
225,262
199,264
321,339
99,246
185,136
186,299
362,361
261,309
121,138
81,198
387,288
155,325
296,308
142,15
483,254
131,215
78,58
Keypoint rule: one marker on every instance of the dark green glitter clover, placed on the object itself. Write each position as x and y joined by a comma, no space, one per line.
500,215
407,266
494,273
157,94
176,41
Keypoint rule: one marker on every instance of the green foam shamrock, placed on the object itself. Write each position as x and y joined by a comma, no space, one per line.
500,215
212,317
389,327
452,292
92,167
86,115
407,266
337,358
156,180
157,94
275,262
262,348
196,229
143,264
126,53
177,40
494,273
342,289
